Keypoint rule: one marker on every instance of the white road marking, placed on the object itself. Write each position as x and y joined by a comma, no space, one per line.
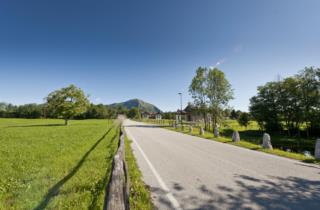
164,187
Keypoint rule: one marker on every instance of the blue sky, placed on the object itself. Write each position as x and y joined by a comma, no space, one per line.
118,50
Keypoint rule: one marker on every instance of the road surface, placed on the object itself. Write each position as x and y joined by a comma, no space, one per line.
187,172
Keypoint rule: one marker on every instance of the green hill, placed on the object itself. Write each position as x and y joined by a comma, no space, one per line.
142,105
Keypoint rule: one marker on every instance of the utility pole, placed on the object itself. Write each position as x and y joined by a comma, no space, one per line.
181,109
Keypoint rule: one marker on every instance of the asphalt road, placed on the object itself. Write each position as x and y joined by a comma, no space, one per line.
186,172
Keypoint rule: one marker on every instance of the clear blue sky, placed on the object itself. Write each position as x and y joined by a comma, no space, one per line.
118,50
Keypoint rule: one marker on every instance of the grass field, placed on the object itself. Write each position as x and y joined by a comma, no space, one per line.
44,164
251,138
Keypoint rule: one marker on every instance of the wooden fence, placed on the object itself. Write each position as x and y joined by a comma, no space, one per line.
117,193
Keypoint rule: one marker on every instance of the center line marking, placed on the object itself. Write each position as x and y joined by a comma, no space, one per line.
169,195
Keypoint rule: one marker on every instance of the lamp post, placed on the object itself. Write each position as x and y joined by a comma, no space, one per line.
181,109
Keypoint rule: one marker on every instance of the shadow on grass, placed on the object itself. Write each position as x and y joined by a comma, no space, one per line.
39,125
311,161
253,136
281,142
54,190
102,183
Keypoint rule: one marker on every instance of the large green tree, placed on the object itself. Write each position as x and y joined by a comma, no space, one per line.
244,119
289,104
264,107
211,92
219,93
133,113
98,111
67,102
198,91
309,80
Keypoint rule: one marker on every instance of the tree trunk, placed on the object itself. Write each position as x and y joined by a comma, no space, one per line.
66,122
307,129
214,123
205,120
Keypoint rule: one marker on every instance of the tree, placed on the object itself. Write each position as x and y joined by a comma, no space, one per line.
265,109
98,111
244,119
169,115
67,102
289,103
197,89
219,93
122,110
290,109
133,113
234,115
309,80
30,111
227,113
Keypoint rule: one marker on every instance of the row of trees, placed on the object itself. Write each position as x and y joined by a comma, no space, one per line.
290,104
66,103
23,111
93,111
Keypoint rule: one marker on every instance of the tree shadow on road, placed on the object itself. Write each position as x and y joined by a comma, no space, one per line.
54,190
250,193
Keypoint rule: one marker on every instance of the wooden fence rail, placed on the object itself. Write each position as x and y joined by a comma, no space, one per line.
117,192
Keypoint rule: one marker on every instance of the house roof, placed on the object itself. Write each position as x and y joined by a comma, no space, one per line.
179,112
151,113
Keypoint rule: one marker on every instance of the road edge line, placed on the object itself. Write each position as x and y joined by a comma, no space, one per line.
169,195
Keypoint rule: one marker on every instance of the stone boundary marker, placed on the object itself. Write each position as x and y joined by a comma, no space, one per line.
235,136
266,141
317,149
117,192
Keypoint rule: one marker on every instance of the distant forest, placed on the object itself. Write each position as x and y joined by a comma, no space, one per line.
94,111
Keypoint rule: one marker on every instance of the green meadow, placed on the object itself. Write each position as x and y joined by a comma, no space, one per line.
45,164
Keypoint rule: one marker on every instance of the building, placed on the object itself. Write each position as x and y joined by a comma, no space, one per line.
151,115
191,114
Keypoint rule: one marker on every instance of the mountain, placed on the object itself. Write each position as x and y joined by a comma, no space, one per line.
142,105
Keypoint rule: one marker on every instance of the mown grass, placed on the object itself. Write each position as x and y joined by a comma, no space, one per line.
251,138
44,164
139,194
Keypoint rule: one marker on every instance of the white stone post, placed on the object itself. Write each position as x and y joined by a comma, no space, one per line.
317,149
201,131
190,129
216,132
235,136
266,141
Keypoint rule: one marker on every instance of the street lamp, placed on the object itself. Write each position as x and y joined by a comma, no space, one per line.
180,109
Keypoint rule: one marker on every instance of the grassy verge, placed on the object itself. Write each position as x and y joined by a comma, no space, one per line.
139,194
247,141
246,144
45,165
